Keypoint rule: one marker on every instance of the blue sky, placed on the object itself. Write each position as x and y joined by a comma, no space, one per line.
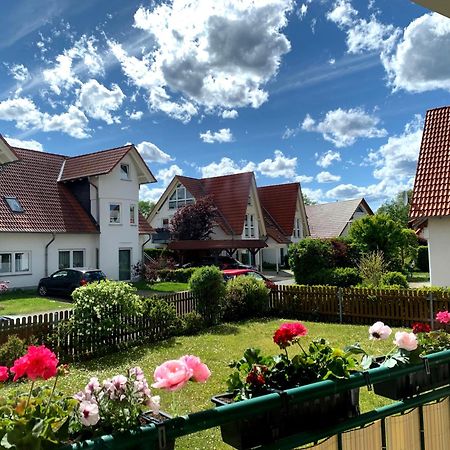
328,93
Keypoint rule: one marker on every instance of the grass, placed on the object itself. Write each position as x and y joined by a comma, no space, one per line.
420,277
26,302
162,286
217,348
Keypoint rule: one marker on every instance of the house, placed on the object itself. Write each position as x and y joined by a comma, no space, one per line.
439,6
58,211
249,218
330,220
430,204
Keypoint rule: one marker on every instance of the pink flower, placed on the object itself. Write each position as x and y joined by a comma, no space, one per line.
89,413
379,331
4,374
39,362
288,333
200,370
172,375
443,317
406,341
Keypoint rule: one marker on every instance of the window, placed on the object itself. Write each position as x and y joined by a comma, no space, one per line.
13,204
298,228
132,214
114,213
124,172
70,258
180,197
165,224
249,226
249,201
15,262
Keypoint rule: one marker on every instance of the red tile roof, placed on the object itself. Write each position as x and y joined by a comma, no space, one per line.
48,206
218,244
273,229
280,201
144,226
431,194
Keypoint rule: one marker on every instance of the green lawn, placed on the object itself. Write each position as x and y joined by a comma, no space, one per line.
24,302
163,286
420,276
216,347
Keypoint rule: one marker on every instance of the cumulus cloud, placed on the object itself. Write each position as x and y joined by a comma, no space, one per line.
207,54
135,115
152,153
327,158
19,72
22,143
344,127
226,166
26,115
346,192
327,177
223,135
151,194
279,166
316,195
165,175
230,114
303,179
97,101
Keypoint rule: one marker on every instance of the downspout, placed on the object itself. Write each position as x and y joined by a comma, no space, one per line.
46,253
143,245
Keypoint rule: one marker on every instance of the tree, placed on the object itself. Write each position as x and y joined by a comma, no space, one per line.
398,209
194,222
146,207
307,200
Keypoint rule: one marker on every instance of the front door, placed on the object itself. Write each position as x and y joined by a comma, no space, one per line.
124,264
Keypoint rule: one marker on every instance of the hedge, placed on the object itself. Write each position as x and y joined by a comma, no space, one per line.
177,275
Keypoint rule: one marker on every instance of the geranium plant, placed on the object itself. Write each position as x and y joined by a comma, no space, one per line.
258,374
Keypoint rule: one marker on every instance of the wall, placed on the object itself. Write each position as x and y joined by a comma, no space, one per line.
439,250
272,254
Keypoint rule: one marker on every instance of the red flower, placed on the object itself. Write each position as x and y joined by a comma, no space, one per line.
256,376
288,333
4,374
39,362
419,327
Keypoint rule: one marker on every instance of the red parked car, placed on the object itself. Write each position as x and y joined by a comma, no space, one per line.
233,273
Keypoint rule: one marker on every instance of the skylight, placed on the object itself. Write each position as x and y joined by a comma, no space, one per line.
13,204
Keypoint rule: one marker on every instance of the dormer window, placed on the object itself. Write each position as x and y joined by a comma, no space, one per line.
13,204
180,197
124,172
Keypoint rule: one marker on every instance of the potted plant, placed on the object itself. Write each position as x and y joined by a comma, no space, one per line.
256,375
409,348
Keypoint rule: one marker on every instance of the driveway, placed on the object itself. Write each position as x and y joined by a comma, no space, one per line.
283,277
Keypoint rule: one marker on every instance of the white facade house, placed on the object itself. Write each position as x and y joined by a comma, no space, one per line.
59,212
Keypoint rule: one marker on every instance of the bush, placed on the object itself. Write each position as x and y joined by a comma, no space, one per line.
192,323
11,350
162,313
395,279
177,275
344,253
245,298
345,277
208,285
96,306
309,257
372,267
422,259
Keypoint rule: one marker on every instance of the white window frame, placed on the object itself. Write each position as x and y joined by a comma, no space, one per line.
125,175
71,250
163,225
120,213
13,204
249,226
13,262
133,216
298,228
179,197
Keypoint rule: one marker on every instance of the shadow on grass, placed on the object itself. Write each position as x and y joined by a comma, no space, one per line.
224,329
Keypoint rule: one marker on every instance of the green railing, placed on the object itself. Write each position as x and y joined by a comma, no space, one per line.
151,436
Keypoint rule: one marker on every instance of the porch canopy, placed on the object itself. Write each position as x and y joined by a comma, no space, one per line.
219,245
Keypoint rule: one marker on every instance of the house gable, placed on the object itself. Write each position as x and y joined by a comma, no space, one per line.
7,153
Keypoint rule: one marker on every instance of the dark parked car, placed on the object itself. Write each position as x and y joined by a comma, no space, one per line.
65,281
233,273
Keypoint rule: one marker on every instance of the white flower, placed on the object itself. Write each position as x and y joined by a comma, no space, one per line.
89,413
379,331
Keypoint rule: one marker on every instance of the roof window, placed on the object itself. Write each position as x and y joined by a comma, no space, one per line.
13,204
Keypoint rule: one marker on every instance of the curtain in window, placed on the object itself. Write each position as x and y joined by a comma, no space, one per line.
5,263
64,259
78,258
21,262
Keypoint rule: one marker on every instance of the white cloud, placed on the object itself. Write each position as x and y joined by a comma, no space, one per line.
303,179
343,13
97,101
315,195
19,72
207,54
21,143
223,135
327,158
226,166
344,127
327,177
279,166
230,114
165,175
151,194
135,115
26,115
301,13
151,153
345,192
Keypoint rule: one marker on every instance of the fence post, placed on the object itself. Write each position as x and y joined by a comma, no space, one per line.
430,299
339,296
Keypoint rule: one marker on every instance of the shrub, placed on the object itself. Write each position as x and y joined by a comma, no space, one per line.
177,275
192,323
395,279
11,350
208,285
162,313
245,297
344,252
422,259
372,267
345,277
96,306
308,257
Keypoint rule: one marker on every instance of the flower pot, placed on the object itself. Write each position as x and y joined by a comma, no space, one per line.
162,443
414,383
267,427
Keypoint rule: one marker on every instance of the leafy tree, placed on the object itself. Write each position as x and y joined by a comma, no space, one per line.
194,222
307,200
146,207
397,209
